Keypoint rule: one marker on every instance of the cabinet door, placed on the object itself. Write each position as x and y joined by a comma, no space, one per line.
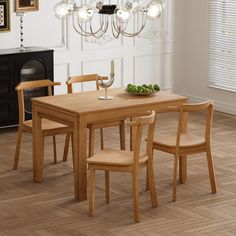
30,67
14,68
8,98
45,57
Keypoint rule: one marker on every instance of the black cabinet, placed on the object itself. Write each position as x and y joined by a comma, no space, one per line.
15,66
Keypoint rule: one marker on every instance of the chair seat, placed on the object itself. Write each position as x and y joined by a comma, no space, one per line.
186,140
49,125
115,157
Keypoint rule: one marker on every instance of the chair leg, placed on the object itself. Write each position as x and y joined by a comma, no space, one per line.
66,147
91,141
54,149
176,158
147,181
122,135
101,139
107,187
211,170
136,201
18,145
73,151
151,184
91,191
131,136
182,169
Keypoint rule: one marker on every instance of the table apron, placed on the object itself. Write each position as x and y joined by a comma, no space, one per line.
123,113
55,114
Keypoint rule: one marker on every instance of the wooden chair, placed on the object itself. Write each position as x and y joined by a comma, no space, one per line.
93,77
185,143
126,161
50,128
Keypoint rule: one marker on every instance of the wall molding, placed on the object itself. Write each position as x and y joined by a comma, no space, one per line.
63,44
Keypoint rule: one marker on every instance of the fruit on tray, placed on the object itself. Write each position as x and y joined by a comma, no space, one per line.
151,88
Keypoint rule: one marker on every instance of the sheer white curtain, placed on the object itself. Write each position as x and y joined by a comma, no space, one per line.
222,44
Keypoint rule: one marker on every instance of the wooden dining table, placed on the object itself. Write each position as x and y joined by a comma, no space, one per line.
79,109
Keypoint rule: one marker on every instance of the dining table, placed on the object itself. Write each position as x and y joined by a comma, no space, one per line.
80,109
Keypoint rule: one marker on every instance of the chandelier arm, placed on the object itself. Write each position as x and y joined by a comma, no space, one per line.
88,34
103,27
101,19
94,34
106,24
115,25
114,28
113,32
83,32
128,34
97,31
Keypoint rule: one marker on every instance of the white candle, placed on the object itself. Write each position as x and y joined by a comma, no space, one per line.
112,67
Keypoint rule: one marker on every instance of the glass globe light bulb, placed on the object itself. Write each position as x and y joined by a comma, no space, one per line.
136,6
63,9
84,13
123,14
96,3
155,9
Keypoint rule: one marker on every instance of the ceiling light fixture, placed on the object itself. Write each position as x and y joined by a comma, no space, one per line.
94,19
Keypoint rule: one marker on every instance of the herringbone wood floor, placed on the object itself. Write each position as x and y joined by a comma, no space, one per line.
48,208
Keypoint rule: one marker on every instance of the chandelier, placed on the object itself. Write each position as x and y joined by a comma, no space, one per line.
94,19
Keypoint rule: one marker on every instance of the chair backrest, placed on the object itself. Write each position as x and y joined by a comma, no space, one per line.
186,108
138,124
82,79
29,85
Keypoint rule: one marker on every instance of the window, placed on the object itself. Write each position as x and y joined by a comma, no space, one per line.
222,44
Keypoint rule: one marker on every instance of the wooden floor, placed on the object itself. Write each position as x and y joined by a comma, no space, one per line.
48,208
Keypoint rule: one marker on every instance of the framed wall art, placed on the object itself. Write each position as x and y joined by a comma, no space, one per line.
26,5
4,15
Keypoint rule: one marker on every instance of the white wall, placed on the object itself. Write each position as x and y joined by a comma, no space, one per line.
136,60
191,55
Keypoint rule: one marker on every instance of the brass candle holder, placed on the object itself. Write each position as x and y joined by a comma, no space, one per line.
107,84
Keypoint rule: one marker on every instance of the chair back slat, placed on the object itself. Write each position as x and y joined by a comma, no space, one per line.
82,79
36,84
21,87
196,107
138,124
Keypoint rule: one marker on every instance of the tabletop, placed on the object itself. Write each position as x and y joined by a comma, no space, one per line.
88,102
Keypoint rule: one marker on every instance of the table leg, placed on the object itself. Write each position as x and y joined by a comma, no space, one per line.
38,146
79,135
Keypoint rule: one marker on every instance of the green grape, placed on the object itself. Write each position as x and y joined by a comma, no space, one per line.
146,90
151,88
129,86
156,87
134,89
140,89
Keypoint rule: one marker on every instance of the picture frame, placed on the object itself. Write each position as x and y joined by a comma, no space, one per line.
26,5
4,15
